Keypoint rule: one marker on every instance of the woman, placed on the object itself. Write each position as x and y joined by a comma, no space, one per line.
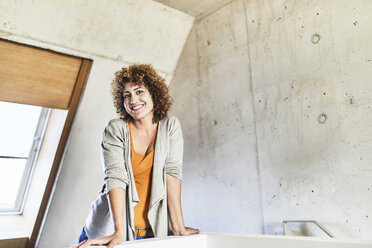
142,154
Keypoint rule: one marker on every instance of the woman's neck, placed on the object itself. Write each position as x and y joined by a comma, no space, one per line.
144,125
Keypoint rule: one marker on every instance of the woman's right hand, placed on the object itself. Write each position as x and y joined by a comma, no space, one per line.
110,241
117,199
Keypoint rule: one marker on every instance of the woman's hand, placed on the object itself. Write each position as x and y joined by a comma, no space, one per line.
175,209
186,231
110,241
117,198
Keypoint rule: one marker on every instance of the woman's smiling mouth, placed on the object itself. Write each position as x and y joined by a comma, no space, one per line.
136,108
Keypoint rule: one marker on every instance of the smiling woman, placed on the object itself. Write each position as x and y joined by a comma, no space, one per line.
145,77
142,155
137,101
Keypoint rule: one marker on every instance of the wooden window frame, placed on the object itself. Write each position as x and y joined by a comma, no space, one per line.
78,89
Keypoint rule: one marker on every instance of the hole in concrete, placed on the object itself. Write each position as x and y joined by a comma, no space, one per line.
208,42
322,118
315,38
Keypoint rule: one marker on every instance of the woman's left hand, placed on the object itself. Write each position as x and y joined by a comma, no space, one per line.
175,209
187,231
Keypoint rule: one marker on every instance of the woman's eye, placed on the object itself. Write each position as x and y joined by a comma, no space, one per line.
139,92
126,96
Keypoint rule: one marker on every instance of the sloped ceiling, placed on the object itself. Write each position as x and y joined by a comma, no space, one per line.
197,8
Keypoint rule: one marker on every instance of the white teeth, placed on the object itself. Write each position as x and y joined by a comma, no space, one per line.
137,107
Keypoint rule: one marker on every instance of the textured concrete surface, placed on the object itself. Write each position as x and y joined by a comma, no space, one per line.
124,30
309,64
213,100
311,170
196,8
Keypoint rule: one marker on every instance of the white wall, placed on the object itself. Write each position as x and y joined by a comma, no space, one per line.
307,170
113,34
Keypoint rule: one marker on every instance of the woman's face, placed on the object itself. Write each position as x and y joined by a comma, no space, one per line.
137,101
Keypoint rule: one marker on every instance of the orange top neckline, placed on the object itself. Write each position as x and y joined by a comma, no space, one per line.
131,143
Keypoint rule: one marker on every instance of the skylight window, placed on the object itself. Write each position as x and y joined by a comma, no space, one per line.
21,131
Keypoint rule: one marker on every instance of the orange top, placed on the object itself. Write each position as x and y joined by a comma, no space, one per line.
142,171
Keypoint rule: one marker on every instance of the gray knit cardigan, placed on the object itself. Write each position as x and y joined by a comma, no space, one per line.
118,174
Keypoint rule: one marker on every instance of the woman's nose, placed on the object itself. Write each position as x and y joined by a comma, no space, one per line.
132,99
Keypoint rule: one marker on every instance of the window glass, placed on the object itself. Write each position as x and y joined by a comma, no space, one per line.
17,128
21,129
11,172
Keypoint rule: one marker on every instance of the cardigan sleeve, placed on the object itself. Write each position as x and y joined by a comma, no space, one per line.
115,174
173,164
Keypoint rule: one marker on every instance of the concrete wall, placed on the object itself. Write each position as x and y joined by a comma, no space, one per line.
311,170
213,100
307,170
249,88
113,34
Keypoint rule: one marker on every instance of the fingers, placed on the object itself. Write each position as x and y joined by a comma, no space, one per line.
191,230
79,245
110,241
100,241
113,243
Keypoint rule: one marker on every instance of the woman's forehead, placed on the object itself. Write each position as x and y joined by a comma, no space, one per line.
133,86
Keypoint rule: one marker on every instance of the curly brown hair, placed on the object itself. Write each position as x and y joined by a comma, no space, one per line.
142,75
